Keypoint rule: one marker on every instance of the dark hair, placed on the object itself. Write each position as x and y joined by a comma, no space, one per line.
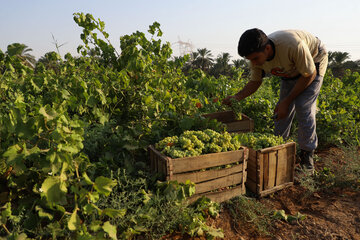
252,40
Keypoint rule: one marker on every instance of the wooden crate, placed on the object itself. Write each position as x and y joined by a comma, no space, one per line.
271,169
246,124
209,182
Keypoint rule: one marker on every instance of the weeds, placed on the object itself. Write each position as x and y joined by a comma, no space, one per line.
340,169
249,211
153,213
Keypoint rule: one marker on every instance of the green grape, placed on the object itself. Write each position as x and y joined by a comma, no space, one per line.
195,143
185,143
212,148
168,141
259,141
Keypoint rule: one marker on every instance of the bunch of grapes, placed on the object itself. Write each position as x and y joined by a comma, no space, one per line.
258,141
195,143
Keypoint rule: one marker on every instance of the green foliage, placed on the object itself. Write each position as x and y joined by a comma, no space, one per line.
280,214
65,124
236,107
153,214
338,117
260,108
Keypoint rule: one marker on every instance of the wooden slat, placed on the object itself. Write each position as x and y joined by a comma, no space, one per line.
221,196
282,167
244,170
226,116
251,127
272,170
291,155
260,171
218,183
270,149
266,171
238,126
206,161
274,189
179,165
198,177
246,124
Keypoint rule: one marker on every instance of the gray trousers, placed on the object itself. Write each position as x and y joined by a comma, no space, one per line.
305,107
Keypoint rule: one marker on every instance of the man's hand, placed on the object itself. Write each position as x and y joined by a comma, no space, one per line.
281,110
249,89
227,100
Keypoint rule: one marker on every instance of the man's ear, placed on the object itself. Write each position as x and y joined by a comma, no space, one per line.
268,47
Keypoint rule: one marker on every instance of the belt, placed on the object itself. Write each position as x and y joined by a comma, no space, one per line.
291,78
317,66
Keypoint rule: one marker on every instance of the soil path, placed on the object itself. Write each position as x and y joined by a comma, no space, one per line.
333,215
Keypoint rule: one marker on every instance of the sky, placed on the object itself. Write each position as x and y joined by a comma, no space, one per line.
212,24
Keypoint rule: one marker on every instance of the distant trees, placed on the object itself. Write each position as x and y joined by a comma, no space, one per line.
338,63
202,59
222,65
50,60
22,52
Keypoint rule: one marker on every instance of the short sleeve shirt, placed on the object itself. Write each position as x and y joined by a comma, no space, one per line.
296,52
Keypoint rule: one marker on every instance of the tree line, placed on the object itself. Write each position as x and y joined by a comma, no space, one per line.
202,59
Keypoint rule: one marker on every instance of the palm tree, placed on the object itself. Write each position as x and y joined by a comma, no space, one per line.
22,52
222,66
337,62
50,60
338,58
204,59
239,63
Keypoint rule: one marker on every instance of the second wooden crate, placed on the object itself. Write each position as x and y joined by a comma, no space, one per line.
246,124
209,172
271,169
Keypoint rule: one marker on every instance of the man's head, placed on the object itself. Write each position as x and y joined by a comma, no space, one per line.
254,46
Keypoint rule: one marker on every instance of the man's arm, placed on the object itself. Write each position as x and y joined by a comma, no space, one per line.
301,84
249,89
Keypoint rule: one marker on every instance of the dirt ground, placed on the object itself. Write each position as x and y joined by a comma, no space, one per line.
329,215
334,216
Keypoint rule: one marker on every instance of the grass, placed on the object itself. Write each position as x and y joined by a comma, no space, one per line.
250,212
340,168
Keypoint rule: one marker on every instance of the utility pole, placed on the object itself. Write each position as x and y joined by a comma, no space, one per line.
184,47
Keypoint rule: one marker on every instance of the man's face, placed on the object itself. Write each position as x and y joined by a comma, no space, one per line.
259,58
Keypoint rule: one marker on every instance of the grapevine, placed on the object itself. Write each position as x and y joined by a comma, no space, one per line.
236,107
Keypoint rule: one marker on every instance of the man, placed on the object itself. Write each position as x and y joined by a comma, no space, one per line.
300,59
